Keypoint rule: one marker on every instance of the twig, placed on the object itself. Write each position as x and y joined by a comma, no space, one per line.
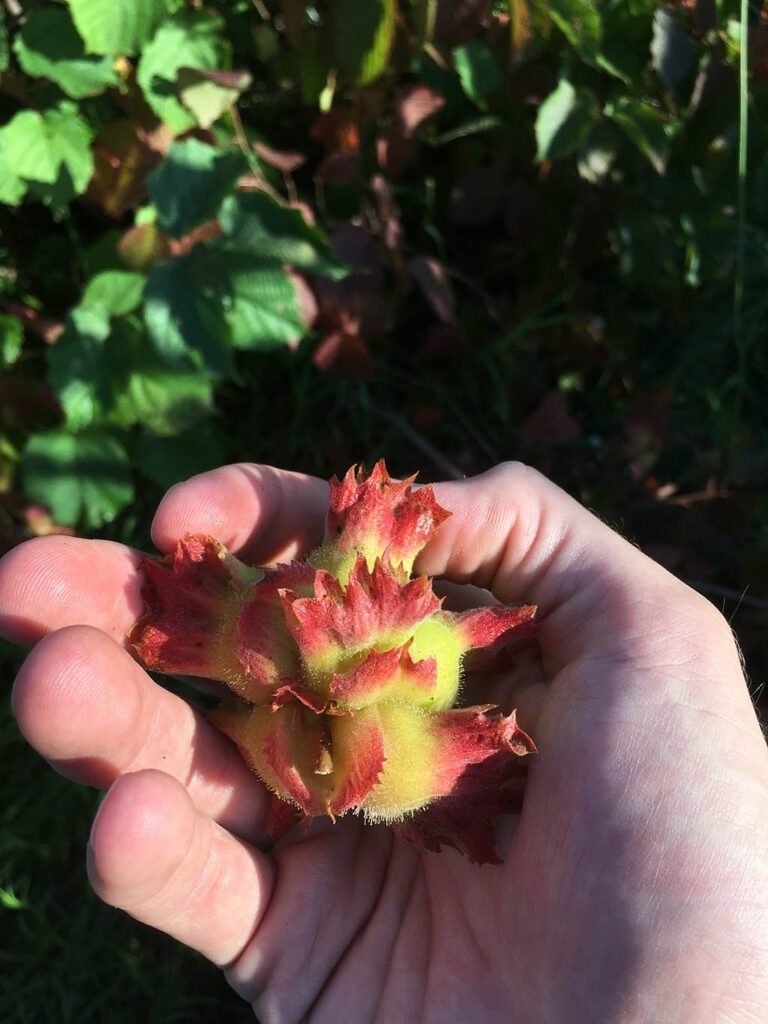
14,8
247,152
261,10
425,446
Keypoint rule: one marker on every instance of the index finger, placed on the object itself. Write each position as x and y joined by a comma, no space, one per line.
260,513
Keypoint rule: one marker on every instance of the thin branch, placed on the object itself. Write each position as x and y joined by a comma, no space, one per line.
261,10
14,8
424,445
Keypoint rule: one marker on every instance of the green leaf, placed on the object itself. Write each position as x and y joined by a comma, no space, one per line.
51,148
258,228
235,290
184,314
11,340
363,32
188,187
626,37
207,94
184,41
117,26
564,120
48,46
672,50
597,154
646,126
147,391
579,21
83,478
167,460
12,187
116,291
75,366
478,71
4,55
263,308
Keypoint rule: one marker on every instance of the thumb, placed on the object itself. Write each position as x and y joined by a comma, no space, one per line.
526,540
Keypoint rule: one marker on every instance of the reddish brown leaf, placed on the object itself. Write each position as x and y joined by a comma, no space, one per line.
122,159
238,80
45,327
394,151
40,522
338,169
284,160
415,104
142,246
338,131
344,354
458,21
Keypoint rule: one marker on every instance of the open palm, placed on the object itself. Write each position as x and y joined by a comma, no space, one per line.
634,887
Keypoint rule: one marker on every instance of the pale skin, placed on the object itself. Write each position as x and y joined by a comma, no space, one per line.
635,887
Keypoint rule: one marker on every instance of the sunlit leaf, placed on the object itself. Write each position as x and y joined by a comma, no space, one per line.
672,49
478,71
117,26
207,94
83,478
46,147
363,33
263,309
11,340
563,121
116,291
48,46
12,187
187,40
75,366
579,21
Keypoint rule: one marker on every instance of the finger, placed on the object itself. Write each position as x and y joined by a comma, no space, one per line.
94,714
261,513
157,856
52,582
517,534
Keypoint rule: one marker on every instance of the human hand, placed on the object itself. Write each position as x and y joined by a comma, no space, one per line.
634,888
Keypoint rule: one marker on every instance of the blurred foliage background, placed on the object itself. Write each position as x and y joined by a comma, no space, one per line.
449,232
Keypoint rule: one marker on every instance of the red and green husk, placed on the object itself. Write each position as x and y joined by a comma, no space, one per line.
347,671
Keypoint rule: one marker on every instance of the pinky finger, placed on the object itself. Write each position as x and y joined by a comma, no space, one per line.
154,855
